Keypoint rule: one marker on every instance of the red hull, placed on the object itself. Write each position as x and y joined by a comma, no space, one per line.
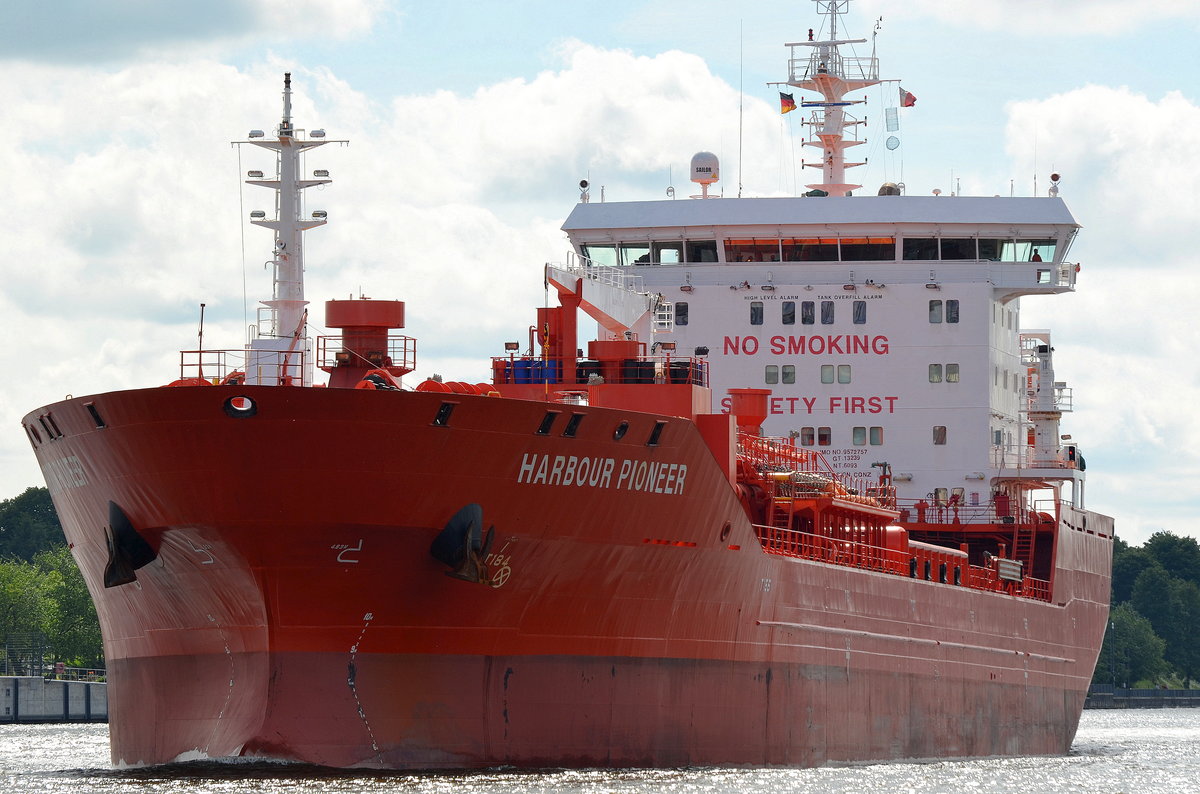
294,611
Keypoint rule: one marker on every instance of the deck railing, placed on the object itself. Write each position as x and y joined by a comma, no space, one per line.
918,562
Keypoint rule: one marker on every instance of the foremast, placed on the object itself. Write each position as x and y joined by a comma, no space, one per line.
824,70
278,350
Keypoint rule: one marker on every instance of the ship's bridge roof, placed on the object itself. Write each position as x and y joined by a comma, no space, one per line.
790,211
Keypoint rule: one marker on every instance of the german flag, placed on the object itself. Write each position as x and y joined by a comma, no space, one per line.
786,103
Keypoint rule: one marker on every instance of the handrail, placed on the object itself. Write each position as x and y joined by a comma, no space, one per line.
917,562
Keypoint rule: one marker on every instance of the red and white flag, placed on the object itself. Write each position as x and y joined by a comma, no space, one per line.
907,100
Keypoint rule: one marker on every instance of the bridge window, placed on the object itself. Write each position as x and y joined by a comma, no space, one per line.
701,250
920,248
752,250
601,254
989,250
958,248
666,253
868,249
813,249
635,253
1028,250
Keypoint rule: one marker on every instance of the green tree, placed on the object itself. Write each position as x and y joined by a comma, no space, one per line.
1184,653
28,524
1155,598
1132,652
24,607
71,626
1179,556
1128,564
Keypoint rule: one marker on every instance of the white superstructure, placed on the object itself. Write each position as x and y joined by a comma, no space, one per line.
887,326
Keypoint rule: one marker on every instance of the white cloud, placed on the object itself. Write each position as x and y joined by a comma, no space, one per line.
1127,339
1041,18
82,31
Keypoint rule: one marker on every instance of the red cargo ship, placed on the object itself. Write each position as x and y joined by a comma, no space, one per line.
578,564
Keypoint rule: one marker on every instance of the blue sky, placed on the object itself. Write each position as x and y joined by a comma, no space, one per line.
470,125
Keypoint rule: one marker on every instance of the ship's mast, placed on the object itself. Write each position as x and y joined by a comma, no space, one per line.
826,71
279,347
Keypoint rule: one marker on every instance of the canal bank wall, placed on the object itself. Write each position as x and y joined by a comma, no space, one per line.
30,699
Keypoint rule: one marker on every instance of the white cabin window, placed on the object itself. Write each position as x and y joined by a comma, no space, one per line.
843,373
788,312
952,311
876,436
681,313
951,373
858,436
789,373
826,373
939,435
935,311
808,315
826,312
824,437
807,436
935,373
860,312
756,312
772,375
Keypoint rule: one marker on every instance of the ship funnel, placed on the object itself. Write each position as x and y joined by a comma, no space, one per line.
749,409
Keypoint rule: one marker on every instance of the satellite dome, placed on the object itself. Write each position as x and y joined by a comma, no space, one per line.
706,169
889,189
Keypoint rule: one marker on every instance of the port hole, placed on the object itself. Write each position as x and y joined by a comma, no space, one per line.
620,432
655,434
443,414
91,407
572,425
57,433
547,423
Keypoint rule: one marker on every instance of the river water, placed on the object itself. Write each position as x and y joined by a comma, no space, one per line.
1147,750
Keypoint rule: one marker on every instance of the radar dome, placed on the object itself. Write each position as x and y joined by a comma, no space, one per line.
889,189
705,168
